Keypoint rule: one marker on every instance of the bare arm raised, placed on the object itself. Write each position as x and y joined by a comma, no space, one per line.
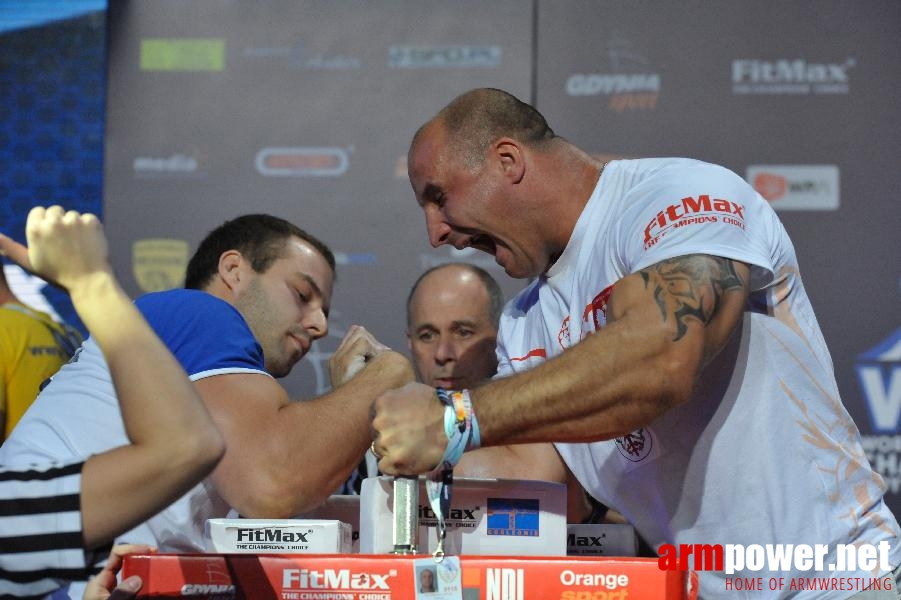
173,441
665,323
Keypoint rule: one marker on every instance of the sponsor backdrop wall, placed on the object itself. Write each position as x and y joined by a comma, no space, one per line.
304,109
298,109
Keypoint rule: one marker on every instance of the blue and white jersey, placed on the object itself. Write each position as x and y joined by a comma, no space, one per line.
77,414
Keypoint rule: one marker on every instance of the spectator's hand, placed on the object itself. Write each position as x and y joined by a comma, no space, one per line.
101,586
356,349
63,247
409,430
14,250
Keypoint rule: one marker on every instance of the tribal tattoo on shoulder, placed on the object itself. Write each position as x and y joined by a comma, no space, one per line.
690,287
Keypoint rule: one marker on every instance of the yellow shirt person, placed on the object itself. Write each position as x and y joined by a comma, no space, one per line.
32,348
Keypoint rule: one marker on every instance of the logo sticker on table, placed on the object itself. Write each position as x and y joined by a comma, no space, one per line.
513,516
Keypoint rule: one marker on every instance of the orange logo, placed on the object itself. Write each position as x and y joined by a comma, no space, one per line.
770,186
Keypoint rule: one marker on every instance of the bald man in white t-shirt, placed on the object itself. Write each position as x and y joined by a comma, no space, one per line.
665,344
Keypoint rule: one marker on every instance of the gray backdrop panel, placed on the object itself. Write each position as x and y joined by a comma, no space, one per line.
685,105
352,79
348,83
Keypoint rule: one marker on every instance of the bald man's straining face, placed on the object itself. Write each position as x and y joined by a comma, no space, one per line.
451,336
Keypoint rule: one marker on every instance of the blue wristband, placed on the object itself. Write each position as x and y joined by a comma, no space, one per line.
460,425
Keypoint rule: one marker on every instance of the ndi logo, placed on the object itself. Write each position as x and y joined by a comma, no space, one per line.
505,584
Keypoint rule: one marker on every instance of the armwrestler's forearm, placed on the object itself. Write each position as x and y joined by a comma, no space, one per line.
315,444
174,442
341,443
665,323
612,382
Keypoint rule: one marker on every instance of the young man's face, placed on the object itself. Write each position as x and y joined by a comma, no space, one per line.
451,335
287,306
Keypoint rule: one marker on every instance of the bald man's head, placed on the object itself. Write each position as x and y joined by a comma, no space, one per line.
475,119
452,316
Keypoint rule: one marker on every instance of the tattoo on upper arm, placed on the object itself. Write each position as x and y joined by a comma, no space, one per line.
689,287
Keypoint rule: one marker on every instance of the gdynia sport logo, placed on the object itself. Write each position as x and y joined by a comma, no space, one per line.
807,563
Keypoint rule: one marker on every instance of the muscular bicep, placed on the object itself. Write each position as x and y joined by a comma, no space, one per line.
283,457
698,299
245,408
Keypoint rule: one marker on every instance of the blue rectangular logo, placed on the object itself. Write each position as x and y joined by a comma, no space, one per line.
513,516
